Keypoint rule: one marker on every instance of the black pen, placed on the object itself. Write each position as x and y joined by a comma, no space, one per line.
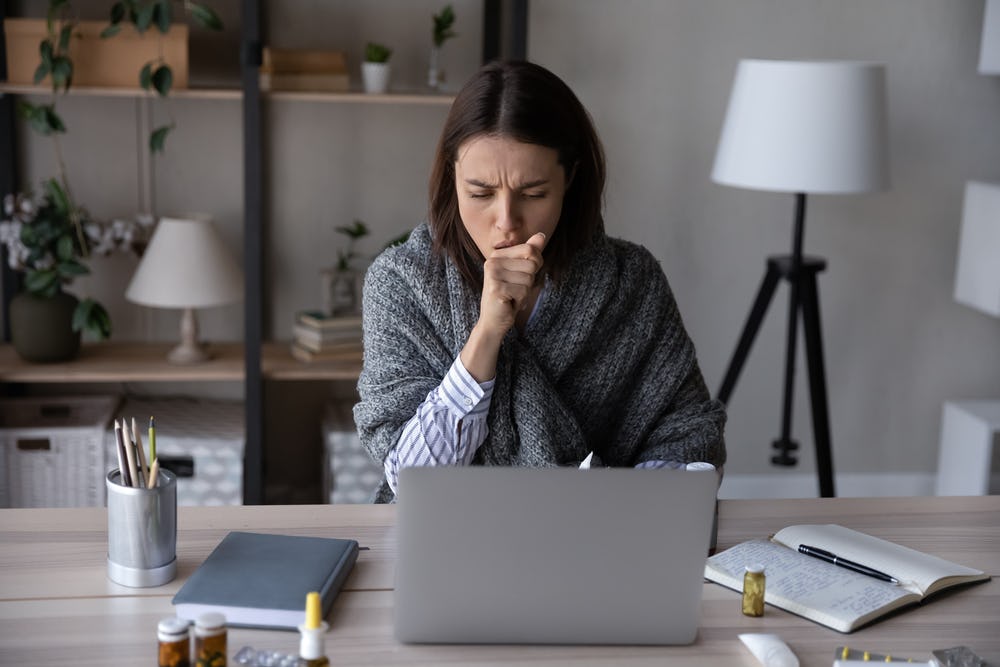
822,554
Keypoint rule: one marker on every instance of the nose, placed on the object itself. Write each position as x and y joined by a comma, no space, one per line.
508,214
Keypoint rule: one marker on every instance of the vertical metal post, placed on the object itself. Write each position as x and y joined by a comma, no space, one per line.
254,463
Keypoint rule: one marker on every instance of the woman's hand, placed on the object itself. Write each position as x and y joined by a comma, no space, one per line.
509,276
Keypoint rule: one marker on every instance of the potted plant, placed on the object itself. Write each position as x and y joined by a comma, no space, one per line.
51,238
375,70
46,241
440,34
340,282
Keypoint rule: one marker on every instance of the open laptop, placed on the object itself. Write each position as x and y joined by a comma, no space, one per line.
551,556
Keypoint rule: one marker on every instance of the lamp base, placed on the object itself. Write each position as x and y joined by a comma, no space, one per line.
189,354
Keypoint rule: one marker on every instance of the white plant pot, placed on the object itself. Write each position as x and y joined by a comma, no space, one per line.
375,76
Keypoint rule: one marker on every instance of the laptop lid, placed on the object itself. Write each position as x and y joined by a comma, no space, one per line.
551,555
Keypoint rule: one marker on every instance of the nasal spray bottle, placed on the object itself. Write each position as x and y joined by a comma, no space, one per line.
312,647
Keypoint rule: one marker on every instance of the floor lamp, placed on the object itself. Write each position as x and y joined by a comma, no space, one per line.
814,127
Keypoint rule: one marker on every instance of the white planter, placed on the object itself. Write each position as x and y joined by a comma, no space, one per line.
375,76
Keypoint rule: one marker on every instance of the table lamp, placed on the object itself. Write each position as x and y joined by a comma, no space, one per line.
186,266
801,127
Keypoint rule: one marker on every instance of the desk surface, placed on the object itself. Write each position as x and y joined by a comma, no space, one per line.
57,607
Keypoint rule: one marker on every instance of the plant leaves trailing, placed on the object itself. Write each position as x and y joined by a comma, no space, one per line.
158,137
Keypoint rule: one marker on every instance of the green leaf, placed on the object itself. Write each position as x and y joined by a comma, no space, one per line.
111,31
163,79
41,72
144,17
92,318
157,138
64,248
117,13
71,269
355,231
205,16
43,283
62,73
45,51
53,123
64,36
164,15
146,76
57,195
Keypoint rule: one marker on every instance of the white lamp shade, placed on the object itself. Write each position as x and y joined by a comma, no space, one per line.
977,275
989,47
810,127
186,265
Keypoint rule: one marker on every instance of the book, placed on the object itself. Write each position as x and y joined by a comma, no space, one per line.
832,595
331,352
320,320
260,580
316,339
302,60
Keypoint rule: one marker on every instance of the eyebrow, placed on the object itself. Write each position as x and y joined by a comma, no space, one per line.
525,186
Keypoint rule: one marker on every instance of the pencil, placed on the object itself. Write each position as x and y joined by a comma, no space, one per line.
143,468
122,468
130,456
152,440
154,474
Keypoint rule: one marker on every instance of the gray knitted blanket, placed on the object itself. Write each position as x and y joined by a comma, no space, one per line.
604,366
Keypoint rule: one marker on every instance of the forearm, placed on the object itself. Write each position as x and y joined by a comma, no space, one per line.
447,428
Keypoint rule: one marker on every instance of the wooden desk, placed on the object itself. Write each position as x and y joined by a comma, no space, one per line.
57,607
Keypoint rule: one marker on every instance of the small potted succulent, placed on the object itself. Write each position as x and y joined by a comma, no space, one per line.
376,70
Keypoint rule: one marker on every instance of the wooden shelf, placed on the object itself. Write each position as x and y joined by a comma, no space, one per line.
147,362
96,91
352,97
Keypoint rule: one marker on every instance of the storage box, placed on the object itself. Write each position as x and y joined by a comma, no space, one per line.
114,62
52,450
349,474
200,441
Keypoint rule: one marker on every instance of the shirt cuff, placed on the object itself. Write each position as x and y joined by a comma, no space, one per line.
462,394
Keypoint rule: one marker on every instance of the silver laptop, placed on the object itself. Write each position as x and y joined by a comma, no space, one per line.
551,556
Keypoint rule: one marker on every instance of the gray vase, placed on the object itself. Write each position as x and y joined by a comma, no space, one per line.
42,328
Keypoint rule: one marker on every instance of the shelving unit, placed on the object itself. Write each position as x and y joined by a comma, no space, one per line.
255,361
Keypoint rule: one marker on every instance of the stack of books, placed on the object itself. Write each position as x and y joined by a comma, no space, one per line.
303,70
317,336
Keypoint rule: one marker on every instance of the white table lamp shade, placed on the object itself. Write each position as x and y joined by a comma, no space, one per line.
811,127
989,47
186,265
977,275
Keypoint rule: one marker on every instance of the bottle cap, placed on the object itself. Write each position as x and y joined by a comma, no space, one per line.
313,630
172,629
210,623
755,568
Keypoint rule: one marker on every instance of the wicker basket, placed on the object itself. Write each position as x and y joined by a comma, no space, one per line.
52,450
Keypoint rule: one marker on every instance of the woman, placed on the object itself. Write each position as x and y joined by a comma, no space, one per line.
509,330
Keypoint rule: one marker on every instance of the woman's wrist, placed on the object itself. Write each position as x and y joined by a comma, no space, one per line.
479,356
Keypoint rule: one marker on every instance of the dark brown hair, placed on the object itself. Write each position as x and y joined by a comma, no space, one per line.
530,104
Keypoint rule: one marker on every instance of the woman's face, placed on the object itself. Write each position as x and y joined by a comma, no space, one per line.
507,191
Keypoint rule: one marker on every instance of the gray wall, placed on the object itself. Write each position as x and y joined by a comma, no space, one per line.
656,77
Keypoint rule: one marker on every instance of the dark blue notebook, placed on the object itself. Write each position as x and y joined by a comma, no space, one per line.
260,580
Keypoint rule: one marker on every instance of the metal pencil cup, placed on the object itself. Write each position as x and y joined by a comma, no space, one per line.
142,531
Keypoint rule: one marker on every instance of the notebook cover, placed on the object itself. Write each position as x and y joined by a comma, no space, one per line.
260,580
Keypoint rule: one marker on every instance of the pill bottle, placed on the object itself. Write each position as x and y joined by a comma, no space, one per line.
175,643
753,590
210,640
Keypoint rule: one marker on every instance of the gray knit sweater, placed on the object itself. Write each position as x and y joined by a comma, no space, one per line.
605,364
